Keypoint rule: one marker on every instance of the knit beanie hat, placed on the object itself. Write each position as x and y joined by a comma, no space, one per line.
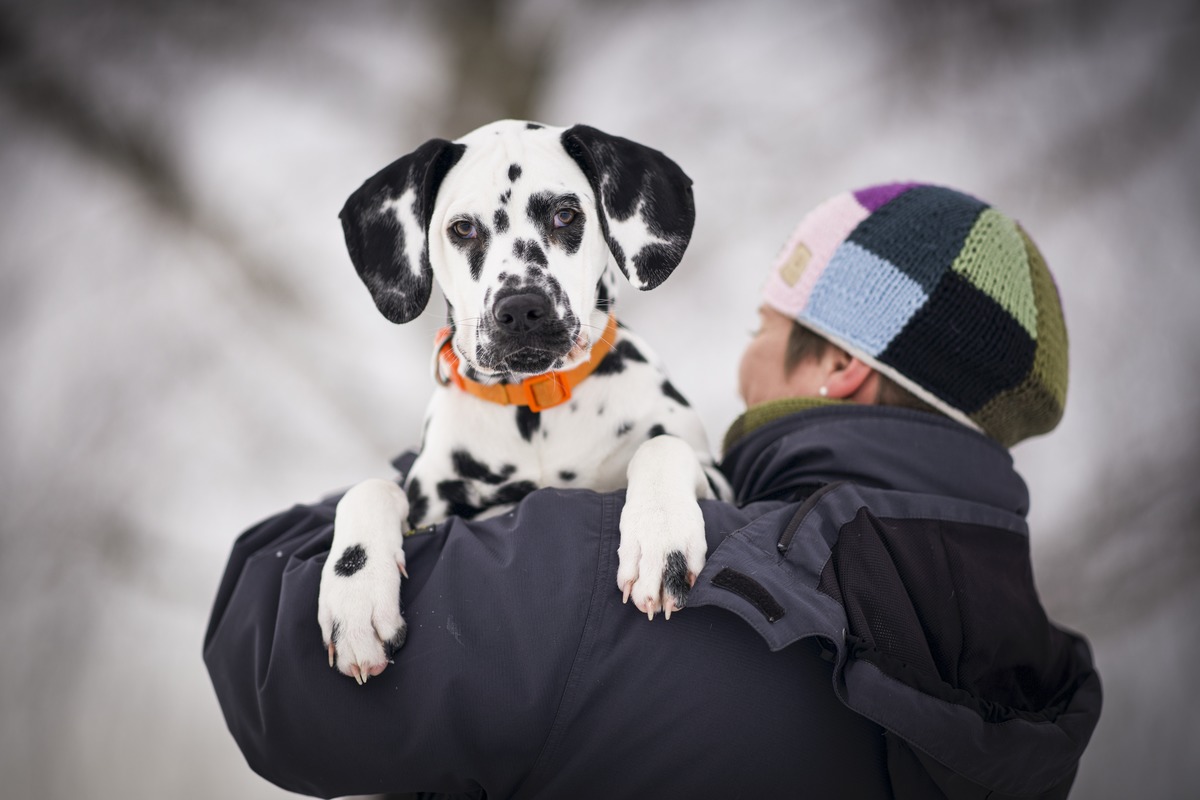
940,292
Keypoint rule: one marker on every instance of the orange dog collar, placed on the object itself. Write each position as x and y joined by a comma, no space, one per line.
538,392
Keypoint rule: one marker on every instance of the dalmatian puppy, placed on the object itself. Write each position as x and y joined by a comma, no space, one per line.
523,226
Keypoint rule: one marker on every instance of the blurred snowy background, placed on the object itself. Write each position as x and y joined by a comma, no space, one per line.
185,346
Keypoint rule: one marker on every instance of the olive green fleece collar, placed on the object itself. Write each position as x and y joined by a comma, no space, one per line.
757,416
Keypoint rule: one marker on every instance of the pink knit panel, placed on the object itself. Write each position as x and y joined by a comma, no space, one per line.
825,227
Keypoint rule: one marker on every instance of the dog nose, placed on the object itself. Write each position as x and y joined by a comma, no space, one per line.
522,313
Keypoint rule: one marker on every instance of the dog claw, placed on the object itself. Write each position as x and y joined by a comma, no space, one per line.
628,589
331,655
403,571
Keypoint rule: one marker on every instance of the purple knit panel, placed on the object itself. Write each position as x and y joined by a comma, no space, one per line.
875,196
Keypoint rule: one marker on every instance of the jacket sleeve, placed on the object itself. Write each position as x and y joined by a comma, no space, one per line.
466,702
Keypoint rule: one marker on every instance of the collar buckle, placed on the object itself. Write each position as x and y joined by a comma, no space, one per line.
558,391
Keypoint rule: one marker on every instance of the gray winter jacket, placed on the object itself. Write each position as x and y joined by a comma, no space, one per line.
866,627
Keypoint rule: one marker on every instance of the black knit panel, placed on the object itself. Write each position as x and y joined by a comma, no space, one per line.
921,232
964,344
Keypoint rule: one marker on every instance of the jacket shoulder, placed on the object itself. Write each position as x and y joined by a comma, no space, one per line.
926,605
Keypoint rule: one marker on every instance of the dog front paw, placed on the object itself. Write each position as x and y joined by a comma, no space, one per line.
359,603
662,551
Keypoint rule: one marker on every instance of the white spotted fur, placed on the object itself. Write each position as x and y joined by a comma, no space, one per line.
665,475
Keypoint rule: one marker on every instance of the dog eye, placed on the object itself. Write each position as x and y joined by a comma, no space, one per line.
464,229
564,218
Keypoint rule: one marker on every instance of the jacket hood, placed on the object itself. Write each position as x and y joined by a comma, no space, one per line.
908,562
881,447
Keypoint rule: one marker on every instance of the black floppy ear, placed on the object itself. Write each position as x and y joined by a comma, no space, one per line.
645,200
386,222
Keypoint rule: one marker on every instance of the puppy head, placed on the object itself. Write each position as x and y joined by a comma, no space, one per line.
521,225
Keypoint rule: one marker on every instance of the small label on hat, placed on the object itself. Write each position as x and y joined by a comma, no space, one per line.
793,268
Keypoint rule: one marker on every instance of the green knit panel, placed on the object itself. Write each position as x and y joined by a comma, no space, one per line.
994,260
1036,405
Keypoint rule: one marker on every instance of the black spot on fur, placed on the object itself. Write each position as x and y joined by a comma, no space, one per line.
533,126
475,249
624,428
505,196
418,503
569,237
514,171
542,209
335,633
530,252
603,298
657,430
626,348
645,261
465,466
475,259
452,491
675,578
618,254
500,218
566,475
512,493
528,422
353,559
457,497
612,363
672,393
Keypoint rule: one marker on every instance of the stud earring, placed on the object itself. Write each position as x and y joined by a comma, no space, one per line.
823,391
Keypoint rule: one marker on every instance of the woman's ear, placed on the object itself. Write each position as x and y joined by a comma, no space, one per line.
849,378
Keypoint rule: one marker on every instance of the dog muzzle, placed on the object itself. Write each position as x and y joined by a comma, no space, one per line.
538,392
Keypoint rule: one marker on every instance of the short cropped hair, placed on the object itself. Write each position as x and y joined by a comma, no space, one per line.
803,344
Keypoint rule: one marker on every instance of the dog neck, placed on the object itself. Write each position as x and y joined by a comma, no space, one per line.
539,392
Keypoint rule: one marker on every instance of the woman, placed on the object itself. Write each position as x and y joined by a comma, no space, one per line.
866,624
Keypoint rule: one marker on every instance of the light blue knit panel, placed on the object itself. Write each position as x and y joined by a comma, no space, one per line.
863,299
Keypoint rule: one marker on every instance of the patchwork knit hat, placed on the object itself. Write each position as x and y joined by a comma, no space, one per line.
940,292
